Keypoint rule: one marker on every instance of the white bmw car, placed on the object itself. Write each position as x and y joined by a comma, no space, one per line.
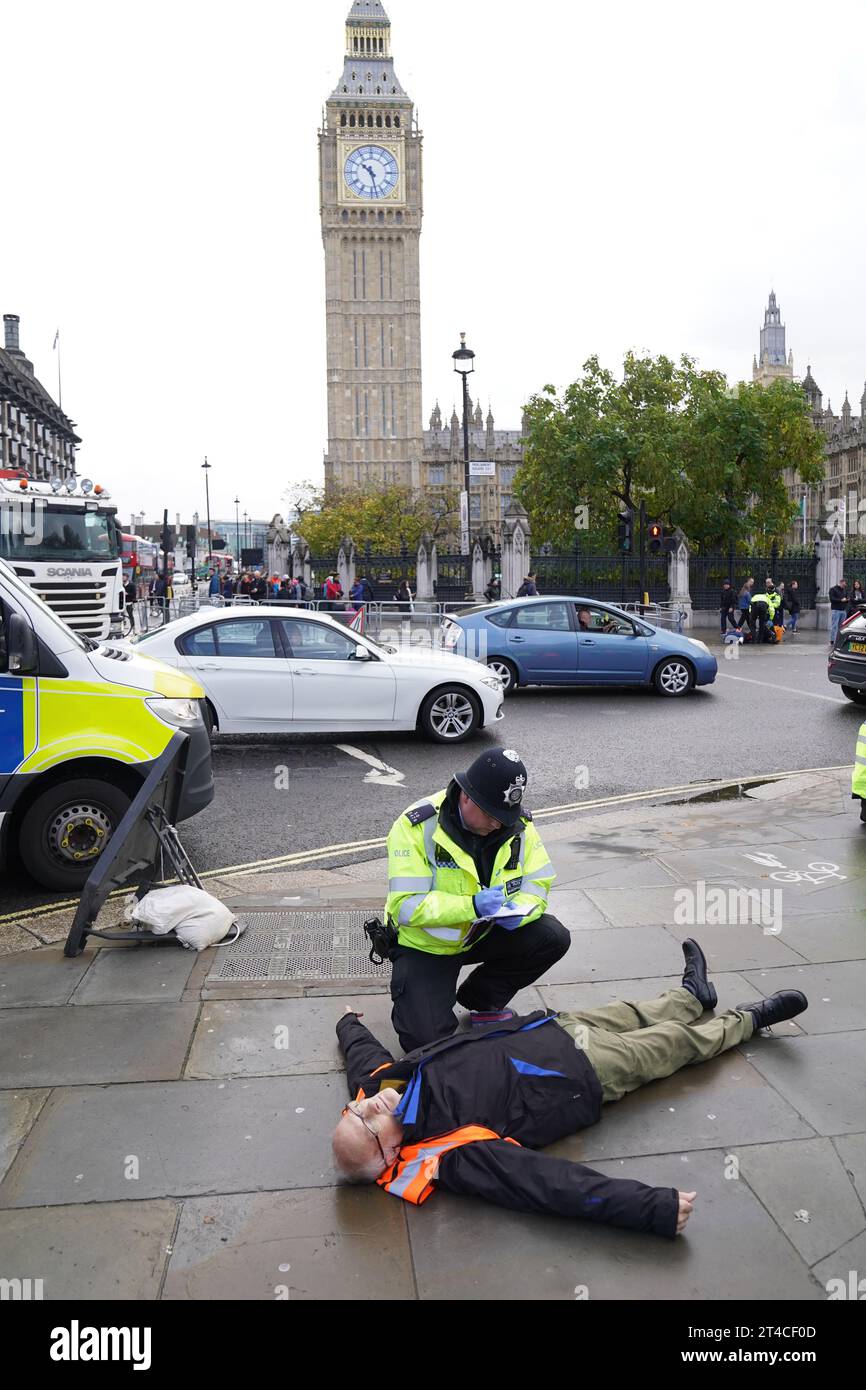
276,670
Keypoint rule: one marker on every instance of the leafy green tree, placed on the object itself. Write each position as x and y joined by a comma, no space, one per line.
700,455
383,516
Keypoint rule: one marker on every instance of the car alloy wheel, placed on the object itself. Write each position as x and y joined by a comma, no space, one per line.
673,678
505,672
450,716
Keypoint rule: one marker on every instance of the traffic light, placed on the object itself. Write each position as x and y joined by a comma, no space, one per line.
625,532
655,535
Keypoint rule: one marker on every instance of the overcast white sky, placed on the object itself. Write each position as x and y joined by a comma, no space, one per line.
598,176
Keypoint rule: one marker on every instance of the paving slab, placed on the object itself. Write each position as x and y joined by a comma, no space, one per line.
112,1250
731,988
136,975
333,1243
723,1101
40,977
188,1137
19,1111
851,1148
822,1077
739,946
843,1274
575,910
827,936
836,994
805,1188
601,955
103,1043
620,871
13,939
464,1249
288,1037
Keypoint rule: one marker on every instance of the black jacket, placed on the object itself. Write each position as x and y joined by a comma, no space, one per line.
535,1087
727,600
838,599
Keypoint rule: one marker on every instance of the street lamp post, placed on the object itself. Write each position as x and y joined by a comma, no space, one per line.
206,466
246,531
464,363
238,532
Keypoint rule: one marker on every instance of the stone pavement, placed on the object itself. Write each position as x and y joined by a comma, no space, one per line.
155,1142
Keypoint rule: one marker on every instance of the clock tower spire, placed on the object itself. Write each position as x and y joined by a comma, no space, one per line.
371,208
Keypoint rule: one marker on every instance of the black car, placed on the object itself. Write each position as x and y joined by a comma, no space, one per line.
847,663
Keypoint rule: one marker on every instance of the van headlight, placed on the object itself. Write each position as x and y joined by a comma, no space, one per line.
182,714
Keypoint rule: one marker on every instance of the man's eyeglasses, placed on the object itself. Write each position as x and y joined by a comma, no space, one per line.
348,1110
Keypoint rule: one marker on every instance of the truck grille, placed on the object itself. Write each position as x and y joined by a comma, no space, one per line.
82,604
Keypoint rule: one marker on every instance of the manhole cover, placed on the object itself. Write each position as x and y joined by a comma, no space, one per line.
301,947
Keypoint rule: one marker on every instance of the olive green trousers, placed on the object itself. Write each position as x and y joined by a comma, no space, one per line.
632,1044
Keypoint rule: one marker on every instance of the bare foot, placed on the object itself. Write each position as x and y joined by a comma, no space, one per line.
687,1202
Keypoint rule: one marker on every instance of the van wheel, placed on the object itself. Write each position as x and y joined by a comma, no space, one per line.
66,830
852,692
450,716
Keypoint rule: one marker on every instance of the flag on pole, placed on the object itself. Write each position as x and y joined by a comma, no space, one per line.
56,340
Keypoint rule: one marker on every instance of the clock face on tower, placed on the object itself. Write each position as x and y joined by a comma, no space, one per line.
371,172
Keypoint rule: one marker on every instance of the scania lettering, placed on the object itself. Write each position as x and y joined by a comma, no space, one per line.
63,540
81,725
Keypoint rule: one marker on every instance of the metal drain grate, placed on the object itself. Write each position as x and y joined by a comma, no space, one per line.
301,947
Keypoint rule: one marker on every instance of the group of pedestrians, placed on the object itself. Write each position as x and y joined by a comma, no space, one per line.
747,615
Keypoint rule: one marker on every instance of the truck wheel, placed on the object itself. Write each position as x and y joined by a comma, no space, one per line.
66,829
853,692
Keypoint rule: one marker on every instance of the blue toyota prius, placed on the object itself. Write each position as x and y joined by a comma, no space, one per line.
575,641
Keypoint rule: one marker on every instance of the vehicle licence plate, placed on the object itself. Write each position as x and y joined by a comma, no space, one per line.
857,647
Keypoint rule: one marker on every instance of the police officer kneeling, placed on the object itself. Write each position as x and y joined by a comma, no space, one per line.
468,883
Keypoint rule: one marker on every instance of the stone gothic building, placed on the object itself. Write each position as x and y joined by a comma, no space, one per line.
34,433
844,439
371,190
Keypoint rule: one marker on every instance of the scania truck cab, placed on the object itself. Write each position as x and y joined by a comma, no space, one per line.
63,540
81,724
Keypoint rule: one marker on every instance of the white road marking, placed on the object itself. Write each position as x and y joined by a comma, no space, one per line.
771,685
382,775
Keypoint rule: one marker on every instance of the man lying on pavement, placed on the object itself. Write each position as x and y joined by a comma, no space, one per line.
465,1113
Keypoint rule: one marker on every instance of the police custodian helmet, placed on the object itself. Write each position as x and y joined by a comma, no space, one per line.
496,782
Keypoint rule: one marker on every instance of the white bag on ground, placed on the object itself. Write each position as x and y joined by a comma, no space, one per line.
197,918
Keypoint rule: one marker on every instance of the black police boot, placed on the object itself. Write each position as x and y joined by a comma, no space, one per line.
863,811
695,975
779,1007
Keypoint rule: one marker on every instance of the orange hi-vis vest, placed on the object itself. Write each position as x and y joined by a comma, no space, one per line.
411,1177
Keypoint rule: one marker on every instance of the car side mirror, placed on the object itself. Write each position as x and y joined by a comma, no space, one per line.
22,648
363,654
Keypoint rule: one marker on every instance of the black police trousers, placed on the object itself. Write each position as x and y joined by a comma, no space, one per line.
424,986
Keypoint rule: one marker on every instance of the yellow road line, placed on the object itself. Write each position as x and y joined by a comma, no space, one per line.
313,856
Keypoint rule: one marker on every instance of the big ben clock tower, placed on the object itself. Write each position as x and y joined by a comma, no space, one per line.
371,205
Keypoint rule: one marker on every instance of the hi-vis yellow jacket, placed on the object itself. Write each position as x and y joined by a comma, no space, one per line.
858,781
432,880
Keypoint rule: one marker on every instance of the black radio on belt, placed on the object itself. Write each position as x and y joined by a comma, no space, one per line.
382,940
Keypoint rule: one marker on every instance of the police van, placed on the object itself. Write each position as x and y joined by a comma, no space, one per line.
81,725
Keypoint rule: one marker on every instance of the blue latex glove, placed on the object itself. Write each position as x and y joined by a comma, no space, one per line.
488,901
513,920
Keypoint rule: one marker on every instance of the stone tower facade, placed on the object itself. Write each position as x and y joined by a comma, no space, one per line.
371,209
773,363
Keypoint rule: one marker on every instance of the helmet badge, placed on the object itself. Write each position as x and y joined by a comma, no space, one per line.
514,793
